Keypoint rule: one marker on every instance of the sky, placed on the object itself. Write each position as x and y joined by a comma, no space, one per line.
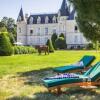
11,8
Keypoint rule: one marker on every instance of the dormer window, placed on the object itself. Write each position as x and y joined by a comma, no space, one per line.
54,19
38,20
46,19
19,18
31,20
59,13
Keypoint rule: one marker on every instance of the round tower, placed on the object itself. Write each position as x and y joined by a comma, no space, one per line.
62,17
21,28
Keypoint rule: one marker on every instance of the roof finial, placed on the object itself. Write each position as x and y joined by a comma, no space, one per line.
21,5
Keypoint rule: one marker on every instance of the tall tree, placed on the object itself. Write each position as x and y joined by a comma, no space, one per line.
6,48
53,39
9,23
62,35
88,18
49,44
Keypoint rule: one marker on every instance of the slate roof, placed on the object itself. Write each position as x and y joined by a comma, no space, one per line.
42,16
21,15
64,9
63,12
71,15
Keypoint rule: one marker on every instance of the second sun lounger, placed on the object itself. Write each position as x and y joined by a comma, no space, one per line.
82,65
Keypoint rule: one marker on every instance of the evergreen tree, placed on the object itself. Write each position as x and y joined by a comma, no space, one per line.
9,24
6,48
49,44
60,43
53,39
62,35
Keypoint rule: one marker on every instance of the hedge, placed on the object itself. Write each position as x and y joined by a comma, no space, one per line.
60,43
24,50
6,48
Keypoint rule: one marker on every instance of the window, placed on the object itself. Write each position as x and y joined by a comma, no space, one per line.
76,29
46,31
31,20
19,30
46,19
54,19
38,31
46,39
54,30
38,20
31,32
19,18
38,41
76,39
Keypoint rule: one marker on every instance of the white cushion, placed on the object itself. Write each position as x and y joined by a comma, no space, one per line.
80,63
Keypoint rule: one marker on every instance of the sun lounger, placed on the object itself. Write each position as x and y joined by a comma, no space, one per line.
80,66
89,79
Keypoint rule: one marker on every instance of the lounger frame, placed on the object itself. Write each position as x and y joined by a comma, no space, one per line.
57,89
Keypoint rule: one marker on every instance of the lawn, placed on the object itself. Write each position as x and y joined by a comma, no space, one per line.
20,76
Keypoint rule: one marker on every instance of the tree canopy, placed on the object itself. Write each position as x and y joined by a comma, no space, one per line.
8,24
5,45
53,39
88,18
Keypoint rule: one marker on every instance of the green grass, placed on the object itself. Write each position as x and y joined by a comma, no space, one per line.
22,63
21,75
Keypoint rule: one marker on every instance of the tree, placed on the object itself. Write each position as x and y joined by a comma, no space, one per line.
5,45
49,44
2,24
88,18
9,23
62,35
53,39
60,43
3,29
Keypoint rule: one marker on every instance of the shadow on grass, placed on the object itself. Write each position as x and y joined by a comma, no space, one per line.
35,77
72,94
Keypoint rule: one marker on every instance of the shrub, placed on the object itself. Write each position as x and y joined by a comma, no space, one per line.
62,35
90,46
24,50
6,48
53,39
60,43
49,44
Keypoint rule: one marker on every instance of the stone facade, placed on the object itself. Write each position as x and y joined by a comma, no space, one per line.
37,29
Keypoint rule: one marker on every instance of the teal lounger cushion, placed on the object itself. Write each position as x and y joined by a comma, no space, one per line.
93,73
56,82
87,60
64,69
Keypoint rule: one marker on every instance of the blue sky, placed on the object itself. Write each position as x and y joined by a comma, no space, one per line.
10,8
